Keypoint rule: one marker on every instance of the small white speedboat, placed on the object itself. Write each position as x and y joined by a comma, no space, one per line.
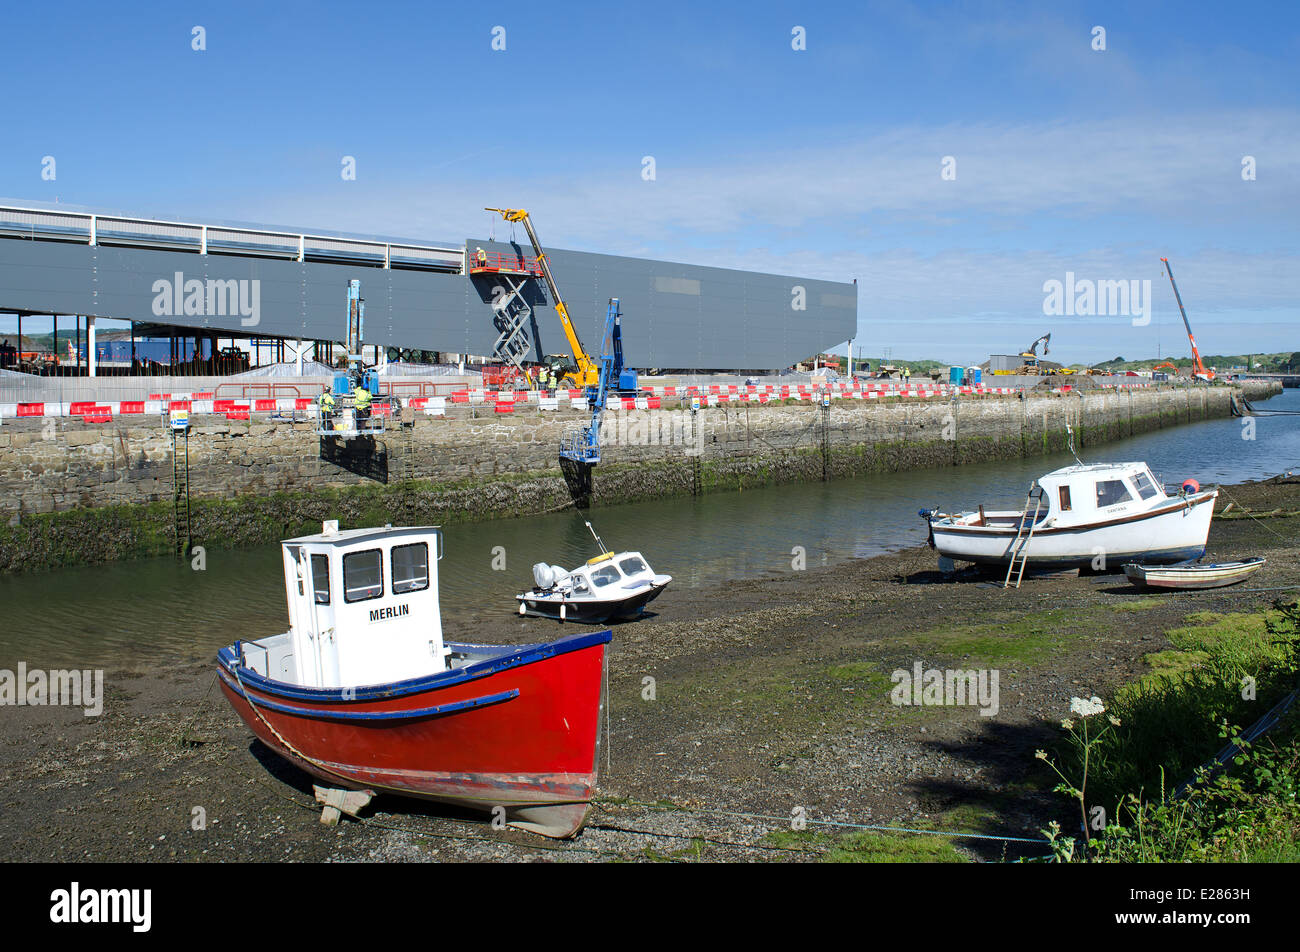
613,585
1217,575
1103,515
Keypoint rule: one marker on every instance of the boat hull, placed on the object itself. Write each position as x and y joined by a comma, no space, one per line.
1173,533
589,611
517,731
1192,576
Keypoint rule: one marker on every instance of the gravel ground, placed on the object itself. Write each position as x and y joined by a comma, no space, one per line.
770,701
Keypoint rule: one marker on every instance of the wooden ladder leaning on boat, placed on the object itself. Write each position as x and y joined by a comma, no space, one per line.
1020,545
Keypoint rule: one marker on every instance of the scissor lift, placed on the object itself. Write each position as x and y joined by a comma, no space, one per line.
512,314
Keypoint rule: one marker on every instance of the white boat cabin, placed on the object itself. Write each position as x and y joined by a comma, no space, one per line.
1079,495
363,607
1082,495
600,577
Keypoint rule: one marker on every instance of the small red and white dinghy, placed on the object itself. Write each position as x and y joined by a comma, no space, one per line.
362,692
1217,575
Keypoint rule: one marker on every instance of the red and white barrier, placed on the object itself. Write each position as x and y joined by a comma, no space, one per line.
505,401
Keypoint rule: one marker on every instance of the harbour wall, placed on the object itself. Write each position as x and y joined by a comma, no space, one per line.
76,493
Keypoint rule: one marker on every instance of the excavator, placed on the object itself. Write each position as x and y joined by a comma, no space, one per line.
1198,368
1030,354
587,372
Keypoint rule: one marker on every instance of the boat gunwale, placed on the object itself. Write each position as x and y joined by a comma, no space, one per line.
553,596
1201,569
1188,503
521,655
371,716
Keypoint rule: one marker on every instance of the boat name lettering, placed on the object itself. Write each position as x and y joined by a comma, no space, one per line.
383,614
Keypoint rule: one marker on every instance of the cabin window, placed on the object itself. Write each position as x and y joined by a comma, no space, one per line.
1064,493
1144,486
320,578
632,565
410,568
1112,492
603,576
362,575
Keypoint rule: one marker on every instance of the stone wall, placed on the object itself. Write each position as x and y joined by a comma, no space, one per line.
73,492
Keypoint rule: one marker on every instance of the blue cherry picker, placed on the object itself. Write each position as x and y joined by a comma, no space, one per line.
612,378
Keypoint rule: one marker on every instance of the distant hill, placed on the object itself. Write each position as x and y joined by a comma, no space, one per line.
42,343
915,366
1268,363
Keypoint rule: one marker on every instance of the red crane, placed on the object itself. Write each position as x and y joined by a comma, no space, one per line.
1198,368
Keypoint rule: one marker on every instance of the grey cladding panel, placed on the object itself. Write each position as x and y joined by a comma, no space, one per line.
675,315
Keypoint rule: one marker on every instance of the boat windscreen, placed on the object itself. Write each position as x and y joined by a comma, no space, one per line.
1112,492
605,576
631,565
1144,486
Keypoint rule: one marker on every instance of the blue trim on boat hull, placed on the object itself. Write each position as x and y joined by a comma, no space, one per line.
512,656
370,716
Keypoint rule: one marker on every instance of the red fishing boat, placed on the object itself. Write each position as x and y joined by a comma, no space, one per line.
363,693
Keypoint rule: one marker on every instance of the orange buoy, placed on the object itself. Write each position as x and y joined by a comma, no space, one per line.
1191,486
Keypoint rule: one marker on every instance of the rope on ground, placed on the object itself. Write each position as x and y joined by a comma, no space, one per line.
784,821
313,807
601,804
1252,515
197,711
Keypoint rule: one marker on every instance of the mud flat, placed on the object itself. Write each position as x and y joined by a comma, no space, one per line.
770,701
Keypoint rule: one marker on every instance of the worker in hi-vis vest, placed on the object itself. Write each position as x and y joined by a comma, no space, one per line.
327,409
361,402
480,257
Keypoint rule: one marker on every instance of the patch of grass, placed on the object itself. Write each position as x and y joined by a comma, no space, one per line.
693,852
1024,637
1141,605
1232,646
868,847
790,690
865,673
1222,668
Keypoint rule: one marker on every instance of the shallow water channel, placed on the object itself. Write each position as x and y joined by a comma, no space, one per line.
135,612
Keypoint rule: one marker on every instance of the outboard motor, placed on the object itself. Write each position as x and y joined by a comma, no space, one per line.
543,575
560,575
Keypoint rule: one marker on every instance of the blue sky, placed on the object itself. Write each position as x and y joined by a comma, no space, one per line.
823,162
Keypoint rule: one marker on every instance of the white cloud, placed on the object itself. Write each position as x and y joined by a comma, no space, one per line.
1102,197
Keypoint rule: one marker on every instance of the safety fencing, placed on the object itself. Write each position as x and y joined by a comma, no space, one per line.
244,400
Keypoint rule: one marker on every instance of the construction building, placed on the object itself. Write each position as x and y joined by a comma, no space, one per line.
211,281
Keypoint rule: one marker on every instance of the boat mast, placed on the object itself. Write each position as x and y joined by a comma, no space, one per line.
600,542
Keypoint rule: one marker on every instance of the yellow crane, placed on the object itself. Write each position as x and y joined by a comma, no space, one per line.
587,373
